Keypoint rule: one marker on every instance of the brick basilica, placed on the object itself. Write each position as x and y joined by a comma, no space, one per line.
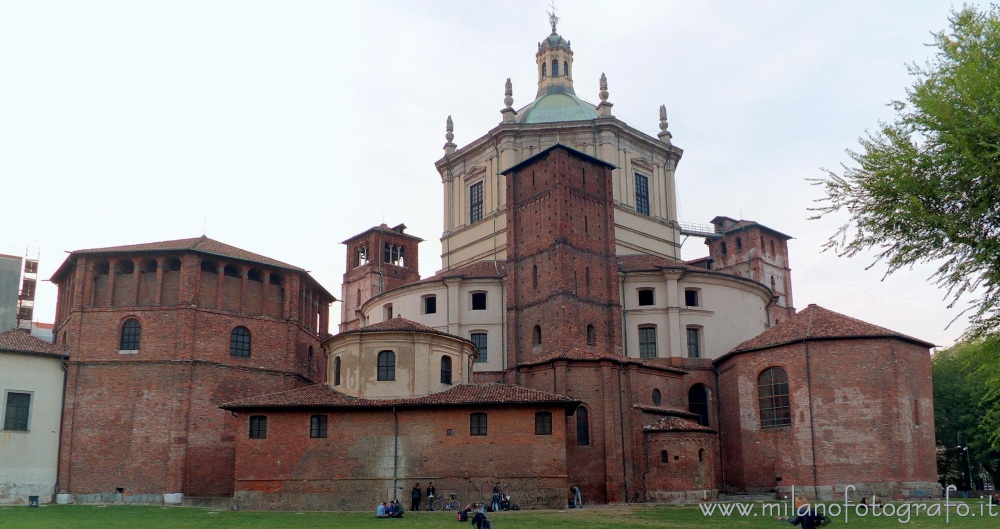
562,342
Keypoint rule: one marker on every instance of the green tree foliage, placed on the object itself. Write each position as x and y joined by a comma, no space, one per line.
927,185
967,410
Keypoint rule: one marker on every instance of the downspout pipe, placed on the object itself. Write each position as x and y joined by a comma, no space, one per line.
812,417
62,416
718,420
395,454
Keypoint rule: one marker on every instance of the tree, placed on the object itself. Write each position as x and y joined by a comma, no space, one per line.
967,411
927,185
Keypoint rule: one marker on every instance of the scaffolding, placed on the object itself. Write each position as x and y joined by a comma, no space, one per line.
29,283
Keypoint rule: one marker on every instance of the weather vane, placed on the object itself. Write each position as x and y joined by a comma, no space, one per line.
553,19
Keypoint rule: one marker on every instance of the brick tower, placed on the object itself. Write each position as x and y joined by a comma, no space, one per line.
562,289
159,335
379,259
754,251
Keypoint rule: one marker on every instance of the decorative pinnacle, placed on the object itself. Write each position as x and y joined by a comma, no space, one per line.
449,136
604,88
553,19
508,92
664,135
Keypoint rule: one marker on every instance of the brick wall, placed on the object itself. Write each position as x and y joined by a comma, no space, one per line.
862,410
354,466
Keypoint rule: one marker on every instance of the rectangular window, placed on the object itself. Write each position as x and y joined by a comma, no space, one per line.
15,417
475,202
642,194
647,342
694,346
646,296
430,305
479,340
543,423
317,426
691,297
477,424
479,301
258,427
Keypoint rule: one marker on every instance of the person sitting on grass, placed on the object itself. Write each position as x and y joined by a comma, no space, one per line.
397,509
380,511
806,515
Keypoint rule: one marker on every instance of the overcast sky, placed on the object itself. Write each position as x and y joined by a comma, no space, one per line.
286,127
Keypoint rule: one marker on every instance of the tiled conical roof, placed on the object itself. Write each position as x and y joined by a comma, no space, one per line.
818,323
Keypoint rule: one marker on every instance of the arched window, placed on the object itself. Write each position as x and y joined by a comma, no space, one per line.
701,454
723,247
148,266
239,342
582,426
739,244
566,68
555,68
536,335
336,371
698,402
664,457
131,335
309,360
534,276
446,370
544,70
386,366
657,397
124,267
772,388
591,335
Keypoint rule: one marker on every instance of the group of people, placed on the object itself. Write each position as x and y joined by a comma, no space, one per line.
478,519
500,499
416,495
390,509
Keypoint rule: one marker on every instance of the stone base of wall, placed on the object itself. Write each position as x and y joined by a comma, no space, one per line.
173,498
18,493
907,490
682,496
364,494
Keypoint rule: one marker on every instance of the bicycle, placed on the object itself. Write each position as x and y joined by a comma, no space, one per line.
448,503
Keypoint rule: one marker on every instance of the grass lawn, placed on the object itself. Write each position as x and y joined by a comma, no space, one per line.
129,517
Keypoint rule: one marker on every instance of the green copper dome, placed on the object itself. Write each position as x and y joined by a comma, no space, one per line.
556,107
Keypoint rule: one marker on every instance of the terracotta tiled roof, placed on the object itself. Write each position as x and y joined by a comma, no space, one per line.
398,230
659,410
478,269
817,323
676,424
322,396
199,244
22,342
637,263
401,325
587,355
739,225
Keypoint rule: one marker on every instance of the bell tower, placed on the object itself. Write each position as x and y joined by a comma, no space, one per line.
379,259
562,290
